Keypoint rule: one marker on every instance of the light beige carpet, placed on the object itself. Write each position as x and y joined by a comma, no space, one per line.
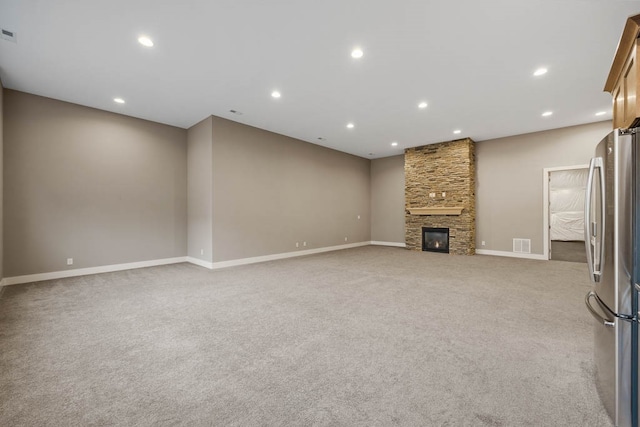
371,336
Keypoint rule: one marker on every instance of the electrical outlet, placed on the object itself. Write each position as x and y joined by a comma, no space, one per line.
201,251
297,244
483,243
304,243
345,238
444,194
69,261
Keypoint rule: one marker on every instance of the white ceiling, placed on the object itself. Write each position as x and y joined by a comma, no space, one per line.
472,61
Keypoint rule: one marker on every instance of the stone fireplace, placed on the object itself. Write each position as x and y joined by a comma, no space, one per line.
440,194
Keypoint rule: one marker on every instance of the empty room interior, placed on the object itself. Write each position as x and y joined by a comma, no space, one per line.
247,213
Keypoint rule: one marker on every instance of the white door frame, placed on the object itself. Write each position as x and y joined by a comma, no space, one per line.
546,176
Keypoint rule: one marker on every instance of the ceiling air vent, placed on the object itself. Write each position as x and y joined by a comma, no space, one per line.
236,112
9,35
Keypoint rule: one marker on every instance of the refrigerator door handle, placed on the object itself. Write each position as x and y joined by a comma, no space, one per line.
590,230
606,322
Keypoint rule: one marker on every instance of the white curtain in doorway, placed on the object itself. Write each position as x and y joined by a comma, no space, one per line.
566,204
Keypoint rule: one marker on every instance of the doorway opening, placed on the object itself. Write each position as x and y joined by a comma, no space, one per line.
564,191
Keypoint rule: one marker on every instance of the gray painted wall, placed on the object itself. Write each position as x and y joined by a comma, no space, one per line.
509,185
104,189
200,190
94,186
271,191
387,199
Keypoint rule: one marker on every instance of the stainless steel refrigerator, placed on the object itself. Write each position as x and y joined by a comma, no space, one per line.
611,240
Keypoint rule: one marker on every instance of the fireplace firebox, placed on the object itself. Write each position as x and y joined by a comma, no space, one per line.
435,239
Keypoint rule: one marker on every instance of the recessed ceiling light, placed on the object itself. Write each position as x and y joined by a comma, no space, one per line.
357,53
457,131
547,113
350,125
394,144
118,100
275,94
422,105
145,41
540,71
601,113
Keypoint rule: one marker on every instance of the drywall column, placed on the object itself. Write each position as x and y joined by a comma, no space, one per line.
387,200
200,192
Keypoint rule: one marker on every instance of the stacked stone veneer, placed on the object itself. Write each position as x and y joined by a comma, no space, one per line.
446,167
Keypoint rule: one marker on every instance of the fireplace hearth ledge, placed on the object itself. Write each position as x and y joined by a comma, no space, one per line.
455,210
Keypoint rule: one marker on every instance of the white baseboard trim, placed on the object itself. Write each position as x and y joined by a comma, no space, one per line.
253,260
394,244
201,263
90,270
210,265
510,254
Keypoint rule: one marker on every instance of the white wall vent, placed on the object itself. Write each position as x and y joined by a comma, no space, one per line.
9,35
522,246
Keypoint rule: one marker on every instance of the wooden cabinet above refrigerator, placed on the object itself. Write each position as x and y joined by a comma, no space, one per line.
623,82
